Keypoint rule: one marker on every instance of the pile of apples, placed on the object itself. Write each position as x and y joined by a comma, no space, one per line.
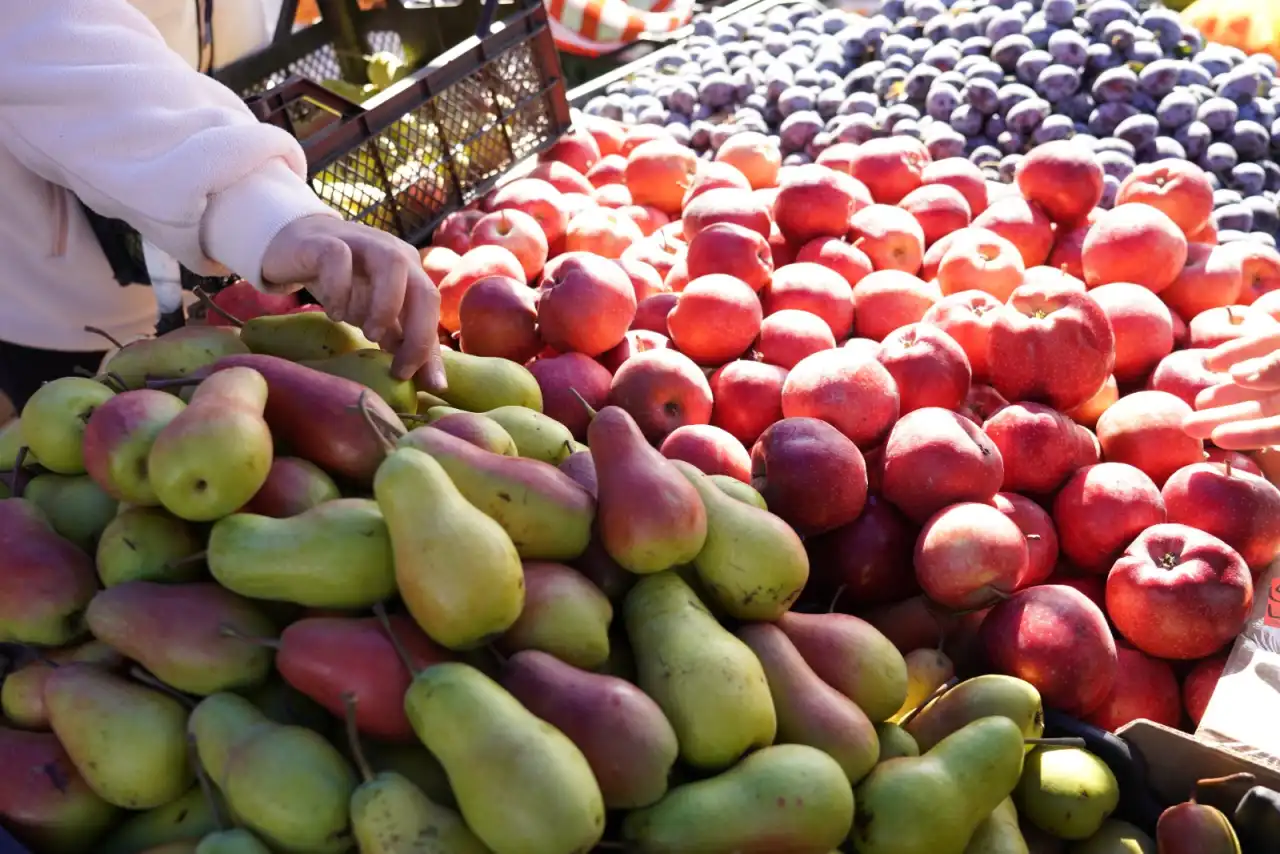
961,393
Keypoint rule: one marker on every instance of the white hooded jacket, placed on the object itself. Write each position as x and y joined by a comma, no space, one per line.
94,102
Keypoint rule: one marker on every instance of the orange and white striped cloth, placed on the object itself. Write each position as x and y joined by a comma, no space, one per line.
597,27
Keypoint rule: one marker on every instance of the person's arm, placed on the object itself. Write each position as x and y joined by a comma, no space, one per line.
92,99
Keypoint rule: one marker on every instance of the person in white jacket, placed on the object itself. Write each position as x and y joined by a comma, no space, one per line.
95,106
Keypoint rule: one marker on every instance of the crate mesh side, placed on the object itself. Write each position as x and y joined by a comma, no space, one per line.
440,154
322,64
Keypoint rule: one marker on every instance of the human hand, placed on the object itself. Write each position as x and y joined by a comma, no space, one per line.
370,279
1243,414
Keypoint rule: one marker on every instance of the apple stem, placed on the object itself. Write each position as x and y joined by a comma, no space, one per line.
197,557
208,303
229,631
1057,742
380,611
378,430
150,681
353,736
102,333
836,598
591,413
933,695
206,785
1226,466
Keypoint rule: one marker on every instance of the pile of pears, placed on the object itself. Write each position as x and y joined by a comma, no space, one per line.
263,597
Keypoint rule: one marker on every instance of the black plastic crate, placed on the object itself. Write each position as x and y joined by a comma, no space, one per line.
437,139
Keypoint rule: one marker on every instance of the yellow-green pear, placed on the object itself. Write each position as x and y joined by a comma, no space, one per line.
934,803
478,429
735,488
564,615
128,741
190,817
77,507
148,544
427,400
237,841
1115,837
175,354
372,369
537,436
709,683
335,555
788,797
1066,791
302,337
979,697
753,564
457,570
215,454
895,742
54,418
927,670
487,742
483,383
999,833
11,442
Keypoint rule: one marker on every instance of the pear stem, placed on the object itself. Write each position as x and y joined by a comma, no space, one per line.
173,382
196,557
591,413
378,430
207,301
353,736
496,653
933,695
16,487
1057,742
229,631
380,611
140,675
1213,782
117,379
413,416
102,333
206,785
836,598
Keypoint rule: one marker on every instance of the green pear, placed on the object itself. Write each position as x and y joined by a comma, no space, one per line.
22,691
372,369
335,555
390,815
183,846
306,336
11,442
537,436
895,742
457,570
118,440
286,784
128,741
148,544
427,400
488,742
480,430
933,803
175,354
735,488
77,507
483,383
190,817
435,413
998,833
282,703
1066,791
783,798
413,762
979,697
210,459
753,564
54,418
710,684
1116,837
564,615
237,841
44,800
545,512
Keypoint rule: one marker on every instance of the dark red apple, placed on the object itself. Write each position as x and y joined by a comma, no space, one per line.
810,474
868,561
1241,509
1146,688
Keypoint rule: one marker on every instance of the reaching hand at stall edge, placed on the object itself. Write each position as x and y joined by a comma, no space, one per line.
367,278
1244,413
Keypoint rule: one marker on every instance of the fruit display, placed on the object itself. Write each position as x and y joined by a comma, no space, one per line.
984,79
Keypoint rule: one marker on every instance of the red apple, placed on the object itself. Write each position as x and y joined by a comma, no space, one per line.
889,299
810,474
1239,461
890,167
518,232
1092,586
967,317
652,312
1038,445
1241,509
935,458
560,377
1134,243
1055,638
1064,178
709,449
787,336
1183,374
834,253
1212,278
1037,529
981,403
1088,413
662,390
939,209
586,304
498,316
817,202
928,366
478,263
969,556
964,176
1146,688
890,236
1215,326
1143,328
635,341
855,394
243,301
813,288
1101,509
732,250
725,204
980,260
1178,188
577,148
1051,345
1144,429
1200,683
867,561
748,398
454,231
659,172
539,200
1179,593
1022,223
715,319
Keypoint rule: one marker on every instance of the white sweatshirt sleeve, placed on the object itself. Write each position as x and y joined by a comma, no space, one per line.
92,99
